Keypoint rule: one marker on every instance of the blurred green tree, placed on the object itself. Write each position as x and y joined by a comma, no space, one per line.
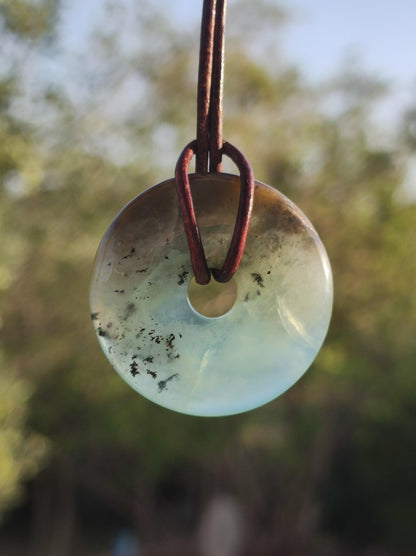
22,450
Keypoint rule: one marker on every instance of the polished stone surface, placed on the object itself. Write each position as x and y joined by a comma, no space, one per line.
157,337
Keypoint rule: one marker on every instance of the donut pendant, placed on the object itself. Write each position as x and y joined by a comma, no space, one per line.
219,349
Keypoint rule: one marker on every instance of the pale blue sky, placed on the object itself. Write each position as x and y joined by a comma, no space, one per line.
381,32
322,33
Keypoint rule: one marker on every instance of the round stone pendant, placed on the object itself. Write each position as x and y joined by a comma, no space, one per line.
217,349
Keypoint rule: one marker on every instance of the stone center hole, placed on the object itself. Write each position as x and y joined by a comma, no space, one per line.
214,299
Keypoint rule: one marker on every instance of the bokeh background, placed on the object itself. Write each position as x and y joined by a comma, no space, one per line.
97,99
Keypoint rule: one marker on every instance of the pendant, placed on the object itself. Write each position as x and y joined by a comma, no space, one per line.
218,349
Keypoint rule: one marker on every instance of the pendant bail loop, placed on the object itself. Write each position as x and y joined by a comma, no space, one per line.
235,252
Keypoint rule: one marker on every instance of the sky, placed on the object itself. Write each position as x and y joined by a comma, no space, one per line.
320,33
380,34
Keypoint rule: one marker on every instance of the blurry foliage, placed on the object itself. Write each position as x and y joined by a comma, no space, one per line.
409,129
30,19
21,451
326,466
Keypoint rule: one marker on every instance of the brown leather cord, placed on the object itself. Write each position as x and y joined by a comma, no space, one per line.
210,147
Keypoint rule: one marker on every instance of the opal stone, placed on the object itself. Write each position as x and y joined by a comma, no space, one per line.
218,349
